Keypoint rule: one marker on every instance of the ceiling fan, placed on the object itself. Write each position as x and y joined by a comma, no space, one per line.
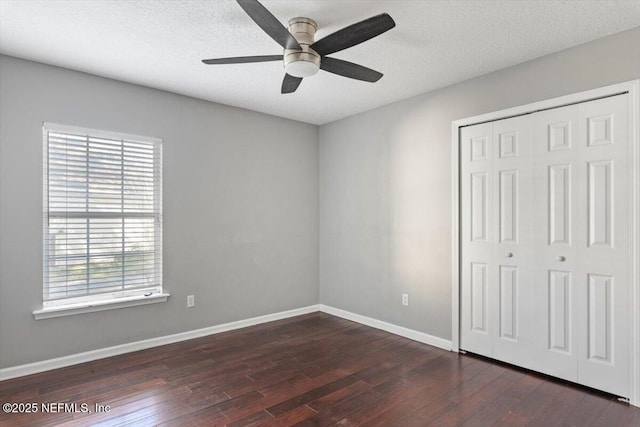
303,56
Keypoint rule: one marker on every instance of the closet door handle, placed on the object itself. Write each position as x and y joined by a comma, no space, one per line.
561,258
509,254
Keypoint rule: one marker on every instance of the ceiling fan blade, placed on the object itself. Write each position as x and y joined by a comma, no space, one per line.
290,83
349,69
354,34
269,23
243,59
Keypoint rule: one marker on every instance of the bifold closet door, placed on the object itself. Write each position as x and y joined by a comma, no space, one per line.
496,239
544,239
581,249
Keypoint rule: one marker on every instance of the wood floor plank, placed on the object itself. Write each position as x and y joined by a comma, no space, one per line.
311,395
333,414
532,397
314,369
407,394
325,403
587,411
617,413
252,420
475,404
293,417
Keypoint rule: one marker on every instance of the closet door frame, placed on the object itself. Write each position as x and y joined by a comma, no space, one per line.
633,89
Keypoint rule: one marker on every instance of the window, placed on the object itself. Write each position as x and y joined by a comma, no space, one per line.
102,216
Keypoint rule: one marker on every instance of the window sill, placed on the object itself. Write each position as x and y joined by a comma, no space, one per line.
89,307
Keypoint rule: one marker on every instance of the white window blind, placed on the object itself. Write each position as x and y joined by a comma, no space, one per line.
102,215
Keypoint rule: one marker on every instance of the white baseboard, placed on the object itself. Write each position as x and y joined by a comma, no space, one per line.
87,356
389,327
73,359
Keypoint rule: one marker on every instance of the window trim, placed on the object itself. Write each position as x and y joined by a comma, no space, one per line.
105,304
104,301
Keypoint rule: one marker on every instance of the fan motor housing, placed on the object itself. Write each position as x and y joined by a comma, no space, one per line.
303,62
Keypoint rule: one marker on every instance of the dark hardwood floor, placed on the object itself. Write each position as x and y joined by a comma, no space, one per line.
314,369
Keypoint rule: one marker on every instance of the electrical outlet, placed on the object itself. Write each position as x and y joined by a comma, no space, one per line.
405,299
191,301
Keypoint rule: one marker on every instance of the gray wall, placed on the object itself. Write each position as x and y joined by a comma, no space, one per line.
240,209
385,182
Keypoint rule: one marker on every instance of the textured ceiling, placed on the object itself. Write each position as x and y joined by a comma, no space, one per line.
435,44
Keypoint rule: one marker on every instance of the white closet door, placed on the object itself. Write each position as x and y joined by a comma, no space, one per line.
510,272
603,239
476,234
545,242
555,251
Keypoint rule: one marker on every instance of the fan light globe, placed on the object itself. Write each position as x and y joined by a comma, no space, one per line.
301,68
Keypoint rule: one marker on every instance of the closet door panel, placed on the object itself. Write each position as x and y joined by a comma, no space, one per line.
555,251
603,237
512,247
476,235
